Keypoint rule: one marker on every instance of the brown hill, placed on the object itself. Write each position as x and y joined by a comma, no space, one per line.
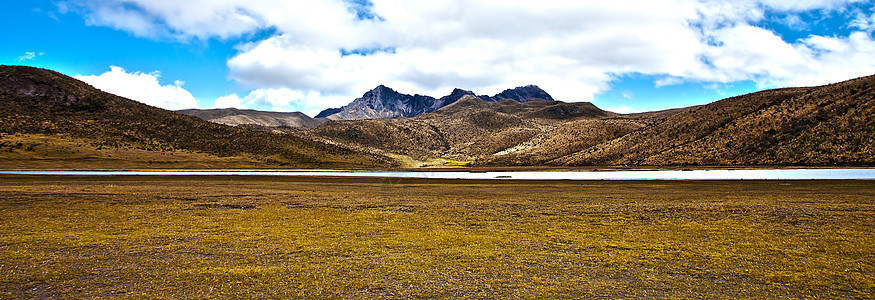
46,118
237,117
43,113
816,126
505,132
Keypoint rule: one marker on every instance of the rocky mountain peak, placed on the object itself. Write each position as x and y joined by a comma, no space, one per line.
521,94
383,102
457,94
380,90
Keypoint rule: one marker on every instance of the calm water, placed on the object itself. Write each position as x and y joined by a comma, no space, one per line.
783,174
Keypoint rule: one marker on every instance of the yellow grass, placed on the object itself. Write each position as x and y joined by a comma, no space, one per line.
280,237
64,152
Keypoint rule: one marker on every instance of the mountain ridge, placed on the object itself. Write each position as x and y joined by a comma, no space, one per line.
829,125
45,114
95,127
237,117
383,102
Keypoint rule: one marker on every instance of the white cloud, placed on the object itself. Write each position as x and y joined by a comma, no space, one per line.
864,22
280,99
836,57
29,56
572,49
748,52
485,46
794,22
143,87
752,53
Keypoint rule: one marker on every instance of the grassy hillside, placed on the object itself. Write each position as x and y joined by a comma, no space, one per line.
829,125
46,103
489,133
818,126
52,121
235,117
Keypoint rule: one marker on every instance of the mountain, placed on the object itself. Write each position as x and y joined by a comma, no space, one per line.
50,120
385,103
520,94
236,117
810,126
327,112
813,126
475,130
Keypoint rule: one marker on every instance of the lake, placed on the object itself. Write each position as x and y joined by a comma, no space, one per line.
757,174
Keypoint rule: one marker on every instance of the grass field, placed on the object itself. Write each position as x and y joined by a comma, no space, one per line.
280,237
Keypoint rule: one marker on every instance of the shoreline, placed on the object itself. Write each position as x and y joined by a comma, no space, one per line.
713,174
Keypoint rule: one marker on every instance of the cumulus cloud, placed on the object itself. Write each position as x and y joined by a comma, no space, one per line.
280,99
573,49
143,87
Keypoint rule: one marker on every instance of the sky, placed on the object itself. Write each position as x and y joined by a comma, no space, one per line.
308,55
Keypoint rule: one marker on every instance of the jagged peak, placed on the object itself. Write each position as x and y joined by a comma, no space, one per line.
523,94
384,102
382,91
464,102
383,88
460,92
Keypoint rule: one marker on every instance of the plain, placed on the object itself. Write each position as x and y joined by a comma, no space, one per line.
285,237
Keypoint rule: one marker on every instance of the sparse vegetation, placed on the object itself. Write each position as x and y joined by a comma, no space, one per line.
280,237
42,102
818,126
473,130
238,117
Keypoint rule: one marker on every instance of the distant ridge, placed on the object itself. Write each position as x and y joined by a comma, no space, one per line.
472,129
236,117
830,125
521,94
40,104
327,112
385,103
48,117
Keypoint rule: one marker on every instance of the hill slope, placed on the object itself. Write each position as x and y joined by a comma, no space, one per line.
506,132
236,117
43,104
816,126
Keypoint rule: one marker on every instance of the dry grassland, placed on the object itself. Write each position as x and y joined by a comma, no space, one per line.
281,237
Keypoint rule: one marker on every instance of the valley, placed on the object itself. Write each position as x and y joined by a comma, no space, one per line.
814,126
365,149
824,126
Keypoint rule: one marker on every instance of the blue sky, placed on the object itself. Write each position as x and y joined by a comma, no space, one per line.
305,56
